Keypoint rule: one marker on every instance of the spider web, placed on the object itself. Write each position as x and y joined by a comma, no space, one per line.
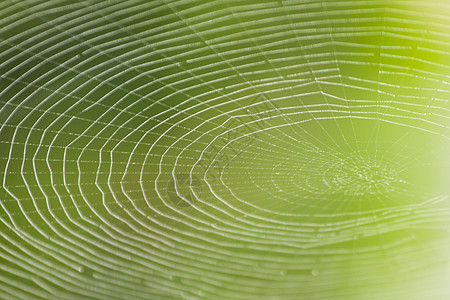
180,149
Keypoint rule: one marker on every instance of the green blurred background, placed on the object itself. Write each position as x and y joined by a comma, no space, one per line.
224,149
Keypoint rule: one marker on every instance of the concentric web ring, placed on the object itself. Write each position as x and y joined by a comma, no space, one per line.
224,150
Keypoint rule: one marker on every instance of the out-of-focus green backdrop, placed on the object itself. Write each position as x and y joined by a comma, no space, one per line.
224,149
